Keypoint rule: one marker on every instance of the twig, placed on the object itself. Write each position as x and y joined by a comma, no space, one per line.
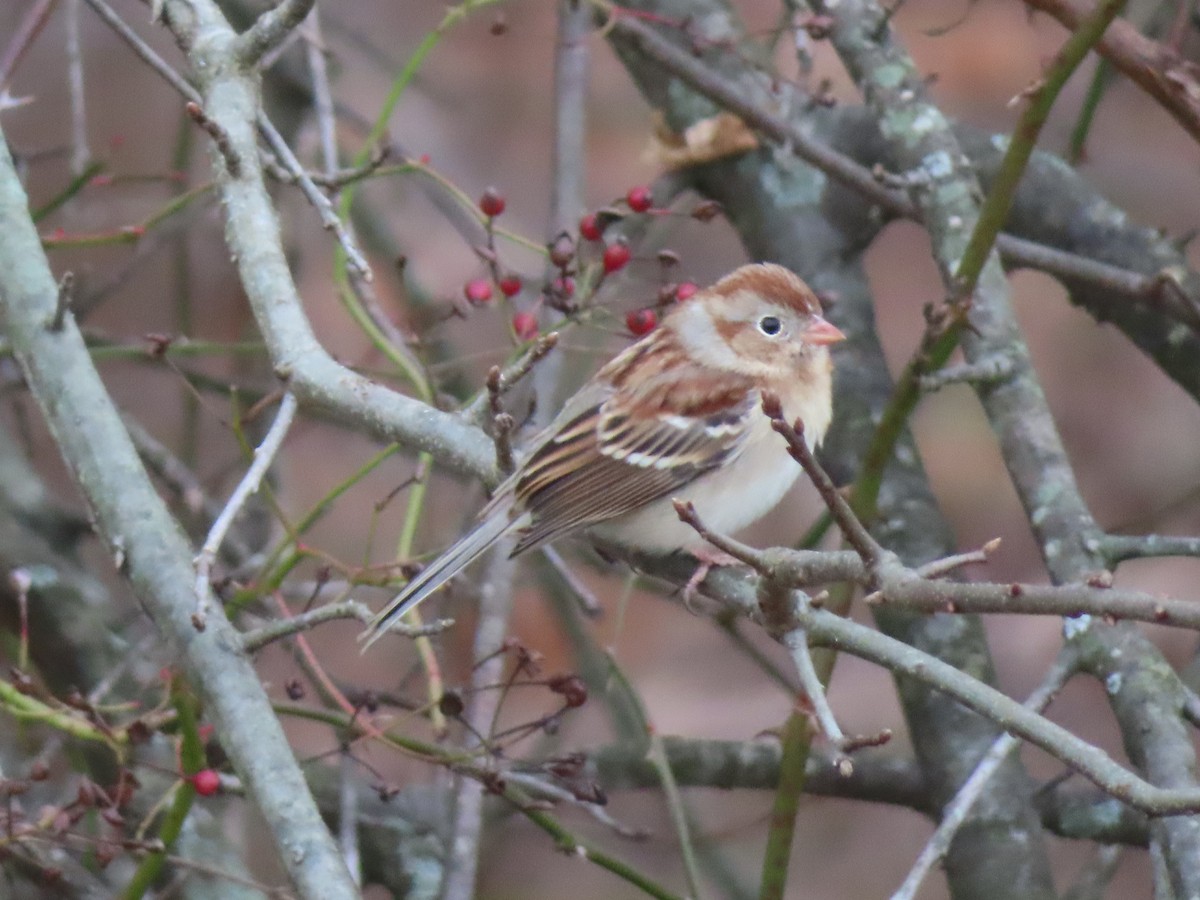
253,641
947,564
587,598
568,179
147,543
796,641
275,141
80,154
709,82
144,50
502,423
339,178
755,559
1157,69
270,30
1002,192
1067,600
66,299
957,810
476,412
828,629
539,786
323,100
26,33
183,483
855,532
264,455
1071,267
325,211
219,137
495,605
924,591
1117,548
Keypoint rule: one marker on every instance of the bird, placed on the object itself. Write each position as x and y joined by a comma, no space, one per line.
675,416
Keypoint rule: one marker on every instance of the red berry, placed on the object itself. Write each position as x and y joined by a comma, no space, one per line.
477,291
206,782
686,291
525,325
564,287
641,321
615,257
492,203
589,228
510,285
639,198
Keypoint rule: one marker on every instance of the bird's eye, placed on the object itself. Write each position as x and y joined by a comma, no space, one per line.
769,325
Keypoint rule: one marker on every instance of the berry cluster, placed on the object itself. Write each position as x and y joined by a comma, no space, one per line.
572,258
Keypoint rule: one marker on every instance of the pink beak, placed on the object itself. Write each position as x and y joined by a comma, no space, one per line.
821,332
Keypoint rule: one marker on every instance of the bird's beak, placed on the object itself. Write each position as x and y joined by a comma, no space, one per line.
821,332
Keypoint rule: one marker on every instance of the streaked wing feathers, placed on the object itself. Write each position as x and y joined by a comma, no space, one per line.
630,447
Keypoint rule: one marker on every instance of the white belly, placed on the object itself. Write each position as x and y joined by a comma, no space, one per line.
727,499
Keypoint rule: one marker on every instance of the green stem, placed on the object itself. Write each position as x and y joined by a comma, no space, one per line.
679,817
348,297
1087,113
25,708
191,760
996,206
797,739
992,216
77,184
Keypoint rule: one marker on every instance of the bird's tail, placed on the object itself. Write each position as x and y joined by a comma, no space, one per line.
464,552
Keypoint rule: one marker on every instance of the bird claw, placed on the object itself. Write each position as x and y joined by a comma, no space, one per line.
707,558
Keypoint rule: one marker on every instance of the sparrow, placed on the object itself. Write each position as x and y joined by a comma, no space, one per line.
676,415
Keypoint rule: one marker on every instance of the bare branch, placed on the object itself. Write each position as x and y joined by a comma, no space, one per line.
956,812
264,456
270,30
147,543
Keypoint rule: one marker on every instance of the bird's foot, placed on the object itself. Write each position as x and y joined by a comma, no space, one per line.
707,558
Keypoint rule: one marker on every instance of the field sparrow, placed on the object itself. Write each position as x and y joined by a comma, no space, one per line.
676,415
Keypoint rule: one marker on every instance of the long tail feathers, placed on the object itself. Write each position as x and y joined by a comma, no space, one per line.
454,560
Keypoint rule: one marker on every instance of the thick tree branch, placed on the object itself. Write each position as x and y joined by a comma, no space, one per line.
145,542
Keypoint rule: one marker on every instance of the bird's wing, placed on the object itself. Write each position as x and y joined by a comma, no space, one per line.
629,441
648,423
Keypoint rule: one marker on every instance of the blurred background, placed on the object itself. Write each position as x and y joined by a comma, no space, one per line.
480,112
